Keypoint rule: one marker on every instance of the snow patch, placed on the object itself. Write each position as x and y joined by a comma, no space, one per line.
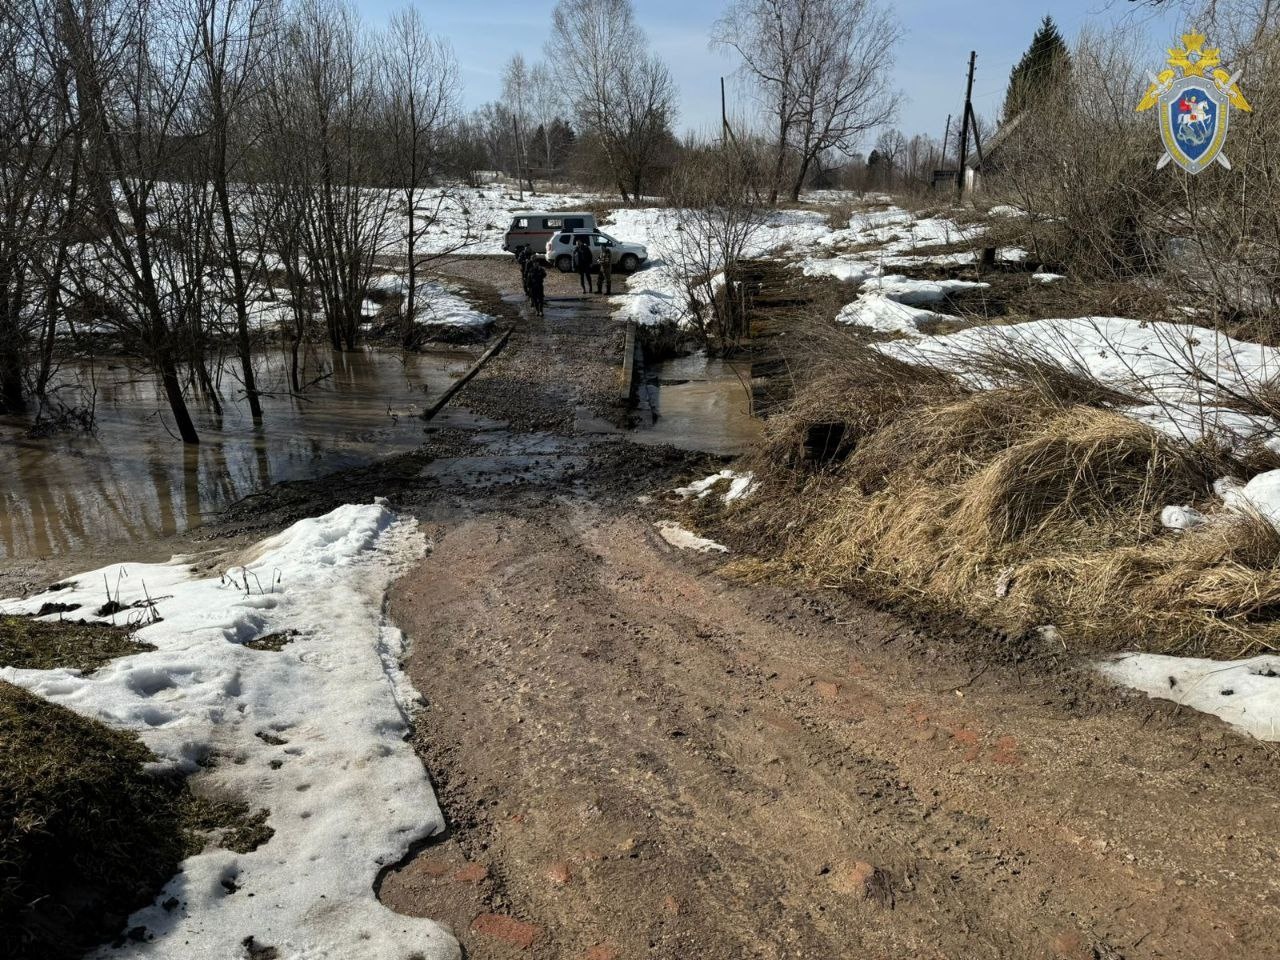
1184,376
315,733
1244,693
685,539
1181,518
740,485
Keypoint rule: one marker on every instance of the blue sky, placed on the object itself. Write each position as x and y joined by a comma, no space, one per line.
931,60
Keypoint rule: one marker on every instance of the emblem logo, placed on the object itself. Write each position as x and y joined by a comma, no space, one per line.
1195,109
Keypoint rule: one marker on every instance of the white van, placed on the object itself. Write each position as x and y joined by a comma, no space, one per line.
532,228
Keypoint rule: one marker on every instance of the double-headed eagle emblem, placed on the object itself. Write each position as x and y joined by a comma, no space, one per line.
1194,108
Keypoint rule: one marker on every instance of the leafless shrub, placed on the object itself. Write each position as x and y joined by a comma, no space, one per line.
716,191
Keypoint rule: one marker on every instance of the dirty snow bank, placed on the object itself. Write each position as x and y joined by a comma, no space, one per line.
1184,377
741,484
684,539
1244,693
315,733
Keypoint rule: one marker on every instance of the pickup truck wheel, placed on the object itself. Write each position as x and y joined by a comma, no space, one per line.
629,262
564,263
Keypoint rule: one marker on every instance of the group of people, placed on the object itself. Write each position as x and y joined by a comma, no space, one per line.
533,276
582,263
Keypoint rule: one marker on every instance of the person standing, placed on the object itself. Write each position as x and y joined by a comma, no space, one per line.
605,283
582,263
537,289
522,263
526,273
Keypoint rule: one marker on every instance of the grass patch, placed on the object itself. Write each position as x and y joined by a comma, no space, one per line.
47,645
223,822
274,642
1031,504
86,836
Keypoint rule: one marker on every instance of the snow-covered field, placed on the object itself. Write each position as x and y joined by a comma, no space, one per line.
315,733
473,220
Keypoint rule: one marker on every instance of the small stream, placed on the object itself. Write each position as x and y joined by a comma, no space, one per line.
698,403
131,480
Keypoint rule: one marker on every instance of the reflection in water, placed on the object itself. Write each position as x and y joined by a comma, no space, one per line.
696,403
132,480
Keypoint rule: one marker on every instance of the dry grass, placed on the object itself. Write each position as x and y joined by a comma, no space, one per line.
87,834
1016,507
40,645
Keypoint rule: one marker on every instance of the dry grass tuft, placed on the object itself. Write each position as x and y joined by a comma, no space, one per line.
1017,507
46,645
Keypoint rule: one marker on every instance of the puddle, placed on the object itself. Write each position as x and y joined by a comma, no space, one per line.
131,481
697,403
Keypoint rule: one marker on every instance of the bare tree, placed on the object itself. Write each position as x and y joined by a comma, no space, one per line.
716,189
134,64
891,148
32,140
234,38
618,90
546,102
821,68
347,225
515,95
420,87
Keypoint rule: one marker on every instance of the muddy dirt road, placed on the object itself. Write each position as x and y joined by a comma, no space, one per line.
640,758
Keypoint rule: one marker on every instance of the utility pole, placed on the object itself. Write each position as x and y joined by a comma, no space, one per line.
964,136
724,114
946,139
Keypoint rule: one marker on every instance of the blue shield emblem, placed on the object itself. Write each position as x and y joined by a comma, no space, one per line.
1194,115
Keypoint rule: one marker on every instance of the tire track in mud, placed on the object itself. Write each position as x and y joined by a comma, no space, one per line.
640,759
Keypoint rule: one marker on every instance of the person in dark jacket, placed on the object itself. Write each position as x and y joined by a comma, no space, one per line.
582,263
605,283
537,290
530,262
523,256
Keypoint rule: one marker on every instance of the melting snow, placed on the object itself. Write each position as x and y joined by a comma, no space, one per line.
740,485
315,733
1244,693
684,539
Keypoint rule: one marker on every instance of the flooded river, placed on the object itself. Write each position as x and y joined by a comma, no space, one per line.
131,480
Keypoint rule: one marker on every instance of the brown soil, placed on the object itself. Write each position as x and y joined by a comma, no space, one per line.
640,758
633,752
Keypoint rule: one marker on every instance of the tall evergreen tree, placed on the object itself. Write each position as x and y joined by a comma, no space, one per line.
1042,68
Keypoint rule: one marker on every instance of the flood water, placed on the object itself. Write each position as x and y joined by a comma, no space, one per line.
132,480
697,403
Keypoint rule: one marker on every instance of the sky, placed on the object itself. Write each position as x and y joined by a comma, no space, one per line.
929,72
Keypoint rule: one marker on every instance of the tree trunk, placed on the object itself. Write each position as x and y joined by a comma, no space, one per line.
13,397
239,291
804,172
408,320
177,403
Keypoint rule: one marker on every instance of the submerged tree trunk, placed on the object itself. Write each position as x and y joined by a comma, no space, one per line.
240,298
13,398
177,402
